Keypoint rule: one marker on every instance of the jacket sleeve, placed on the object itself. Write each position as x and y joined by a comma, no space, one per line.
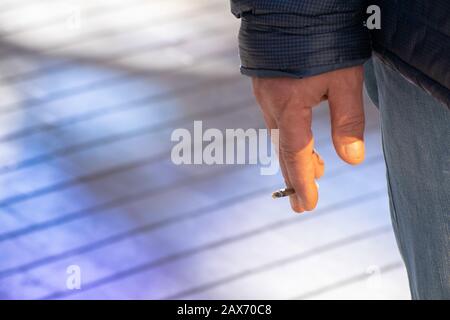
299,38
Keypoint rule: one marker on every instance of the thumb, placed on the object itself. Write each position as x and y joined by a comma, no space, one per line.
347,122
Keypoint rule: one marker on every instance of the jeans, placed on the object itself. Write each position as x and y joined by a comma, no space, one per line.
416,144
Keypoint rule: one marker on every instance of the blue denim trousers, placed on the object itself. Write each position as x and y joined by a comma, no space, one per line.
416,143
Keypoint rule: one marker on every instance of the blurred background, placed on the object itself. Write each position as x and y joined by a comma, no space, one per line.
91,91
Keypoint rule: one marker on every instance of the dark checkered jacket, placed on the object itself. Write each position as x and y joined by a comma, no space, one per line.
298,38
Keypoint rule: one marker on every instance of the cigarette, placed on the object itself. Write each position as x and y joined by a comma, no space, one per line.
283,193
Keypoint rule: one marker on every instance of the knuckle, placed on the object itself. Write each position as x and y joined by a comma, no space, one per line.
350,124
289,155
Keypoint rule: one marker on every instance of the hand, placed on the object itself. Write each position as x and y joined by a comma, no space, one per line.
287,105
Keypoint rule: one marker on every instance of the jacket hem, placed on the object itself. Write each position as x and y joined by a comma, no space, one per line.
301,73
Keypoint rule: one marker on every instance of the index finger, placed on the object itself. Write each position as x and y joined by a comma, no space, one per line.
297,150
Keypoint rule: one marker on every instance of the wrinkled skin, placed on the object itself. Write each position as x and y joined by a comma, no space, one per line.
287,105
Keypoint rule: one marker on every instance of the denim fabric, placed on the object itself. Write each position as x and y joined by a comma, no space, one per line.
416,143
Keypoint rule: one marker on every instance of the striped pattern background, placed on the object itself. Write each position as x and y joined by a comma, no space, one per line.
90,94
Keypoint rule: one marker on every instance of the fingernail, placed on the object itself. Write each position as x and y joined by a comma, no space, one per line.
354,150
299,201
319,158
296,202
